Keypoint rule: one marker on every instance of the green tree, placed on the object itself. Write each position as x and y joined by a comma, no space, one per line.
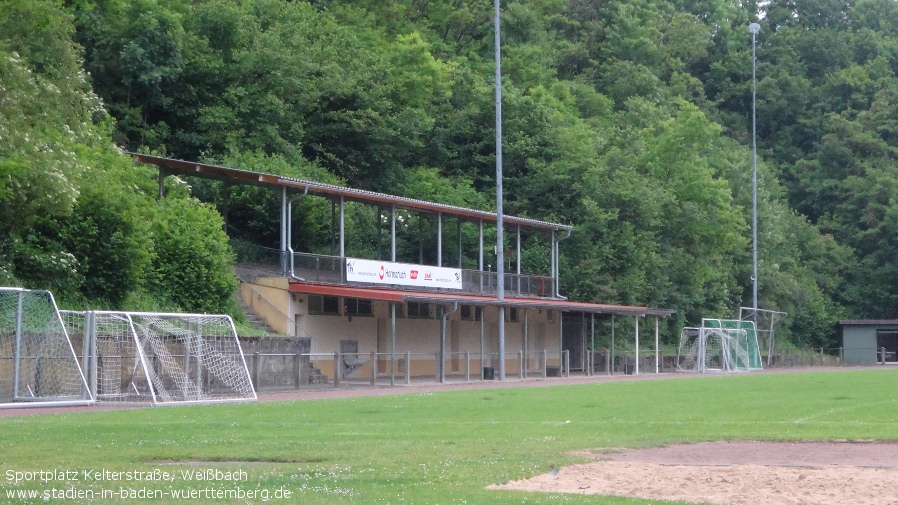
660,226
135,55
629,120
108,232
48,135
192,262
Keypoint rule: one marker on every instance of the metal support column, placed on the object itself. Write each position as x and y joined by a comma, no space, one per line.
333,236
557,293
226,193
161,183
459,244
85,356
420,239
560,344
199,356
636,364
552,262
94,355
342,228
393,233
518,259
592,346
379,232
612,344
657,348
393,344
289,249
482,364
480,259
17,351
526,340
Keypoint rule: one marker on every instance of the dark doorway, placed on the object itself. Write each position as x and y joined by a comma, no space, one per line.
573,339
887,339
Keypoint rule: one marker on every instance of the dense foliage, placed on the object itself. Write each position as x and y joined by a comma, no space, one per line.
76,217
630,120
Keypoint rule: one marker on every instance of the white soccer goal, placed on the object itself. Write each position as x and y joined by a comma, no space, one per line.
159,358
38,365
689,350
719,345
765,321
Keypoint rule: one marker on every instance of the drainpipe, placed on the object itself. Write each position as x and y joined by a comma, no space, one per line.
558,264
443,320
290,229
284,263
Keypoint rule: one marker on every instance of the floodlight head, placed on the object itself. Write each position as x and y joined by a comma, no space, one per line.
754,28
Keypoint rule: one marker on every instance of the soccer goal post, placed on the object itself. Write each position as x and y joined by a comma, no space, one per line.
765,323
38,364
162,358
719,345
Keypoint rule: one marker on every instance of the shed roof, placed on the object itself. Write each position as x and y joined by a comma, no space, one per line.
868,322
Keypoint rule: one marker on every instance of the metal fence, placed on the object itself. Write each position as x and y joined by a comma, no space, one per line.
304,371
820,356
281,371
324,268
617,362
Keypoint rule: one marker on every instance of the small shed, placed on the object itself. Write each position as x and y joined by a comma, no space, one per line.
864,339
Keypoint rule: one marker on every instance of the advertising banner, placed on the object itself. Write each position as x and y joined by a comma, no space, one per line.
402,274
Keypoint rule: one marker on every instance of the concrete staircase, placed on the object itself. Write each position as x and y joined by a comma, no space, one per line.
265,330
316,377
255,320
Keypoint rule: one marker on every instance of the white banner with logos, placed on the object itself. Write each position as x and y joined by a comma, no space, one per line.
402,274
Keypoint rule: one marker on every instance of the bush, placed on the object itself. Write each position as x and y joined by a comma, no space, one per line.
193,263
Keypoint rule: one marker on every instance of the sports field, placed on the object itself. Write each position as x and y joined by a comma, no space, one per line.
440,448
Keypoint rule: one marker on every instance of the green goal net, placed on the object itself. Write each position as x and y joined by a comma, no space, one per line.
719,345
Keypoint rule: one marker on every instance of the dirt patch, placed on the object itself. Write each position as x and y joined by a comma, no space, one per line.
738,473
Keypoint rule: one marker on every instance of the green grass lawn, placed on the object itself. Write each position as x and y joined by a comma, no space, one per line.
440,448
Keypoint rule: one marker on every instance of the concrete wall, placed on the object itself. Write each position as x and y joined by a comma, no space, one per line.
283,370
269,298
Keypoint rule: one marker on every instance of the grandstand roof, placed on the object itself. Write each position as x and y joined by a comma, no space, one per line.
331,191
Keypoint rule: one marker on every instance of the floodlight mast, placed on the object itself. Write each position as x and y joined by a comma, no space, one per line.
500,242
754,28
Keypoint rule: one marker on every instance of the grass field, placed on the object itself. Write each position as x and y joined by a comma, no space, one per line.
439,448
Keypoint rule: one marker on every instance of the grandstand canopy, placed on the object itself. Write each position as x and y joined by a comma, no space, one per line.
168,166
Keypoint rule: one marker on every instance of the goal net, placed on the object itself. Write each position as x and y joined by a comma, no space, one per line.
38,364
719,345
765,322
157,358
